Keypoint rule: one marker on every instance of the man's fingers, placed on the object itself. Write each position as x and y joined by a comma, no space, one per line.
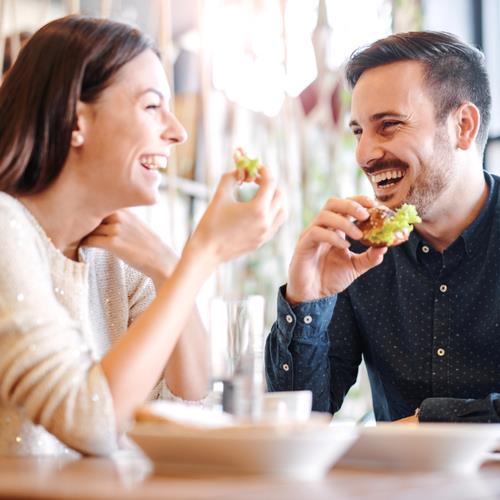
334,221
367,260
317,234
347,206
363,200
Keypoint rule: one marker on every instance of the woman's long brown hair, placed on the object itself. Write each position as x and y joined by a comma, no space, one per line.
70,59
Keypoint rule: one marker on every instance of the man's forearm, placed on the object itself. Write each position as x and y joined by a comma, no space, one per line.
297,350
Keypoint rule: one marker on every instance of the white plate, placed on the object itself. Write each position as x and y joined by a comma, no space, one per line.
450,447
295,451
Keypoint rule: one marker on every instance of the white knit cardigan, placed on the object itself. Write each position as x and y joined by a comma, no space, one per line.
57,319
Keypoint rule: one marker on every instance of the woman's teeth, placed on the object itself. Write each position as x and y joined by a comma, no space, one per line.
154,162
386,179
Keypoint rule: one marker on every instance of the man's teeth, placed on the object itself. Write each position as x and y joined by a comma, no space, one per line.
386,176
155,162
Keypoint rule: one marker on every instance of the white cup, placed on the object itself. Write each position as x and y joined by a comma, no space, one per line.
287,405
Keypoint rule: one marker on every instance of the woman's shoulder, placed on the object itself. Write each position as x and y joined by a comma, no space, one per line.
15,219
9,205
23,250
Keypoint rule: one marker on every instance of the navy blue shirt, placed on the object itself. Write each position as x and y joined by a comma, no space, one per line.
426,323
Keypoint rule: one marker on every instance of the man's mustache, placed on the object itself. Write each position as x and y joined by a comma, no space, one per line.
378,166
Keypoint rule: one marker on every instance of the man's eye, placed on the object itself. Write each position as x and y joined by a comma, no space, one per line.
356,131
389,124
153,106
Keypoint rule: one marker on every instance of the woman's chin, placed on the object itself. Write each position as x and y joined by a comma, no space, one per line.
143,198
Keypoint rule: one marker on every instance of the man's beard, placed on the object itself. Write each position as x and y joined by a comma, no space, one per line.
433,179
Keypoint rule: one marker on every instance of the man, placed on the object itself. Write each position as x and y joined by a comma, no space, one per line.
425,316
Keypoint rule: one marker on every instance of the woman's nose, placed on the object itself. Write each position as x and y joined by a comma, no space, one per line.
174,131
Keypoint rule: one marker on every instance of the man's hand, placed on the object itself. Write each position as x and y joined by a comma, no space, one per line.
129,238
412,419
322,264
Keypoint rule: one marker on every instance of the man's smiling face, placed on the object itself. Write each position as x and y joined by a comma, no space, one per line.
405,153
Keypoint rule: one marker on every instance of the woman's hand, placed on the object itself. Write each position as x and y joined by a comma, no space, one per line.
129,238
322,263
229,228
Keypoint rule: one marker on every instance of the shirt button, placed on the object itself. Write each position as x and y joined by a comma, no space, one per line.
285,367
308,319
425,249
289,318
441,352
443,288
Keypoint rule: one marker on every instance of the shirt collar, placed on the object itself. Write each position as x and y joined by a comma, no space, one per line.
472,235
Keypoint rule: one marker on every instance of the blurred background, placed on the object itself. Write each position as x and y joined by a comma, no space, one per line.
267,76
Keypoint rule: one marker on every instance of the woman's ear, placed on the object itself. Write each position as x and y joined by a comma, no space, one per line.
467,121
82,117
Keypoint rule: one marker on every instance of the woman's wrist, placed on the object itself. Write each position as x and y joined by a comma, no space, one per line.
200,255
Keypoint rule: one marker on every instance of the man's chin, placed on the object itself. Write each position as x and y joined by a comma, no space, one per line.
391,201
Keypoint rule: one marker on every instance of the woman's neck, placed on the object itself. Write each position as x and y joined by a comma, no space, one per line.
66,217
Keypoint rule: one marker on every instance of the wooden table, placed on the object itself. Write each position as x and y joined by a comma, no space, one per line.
130,476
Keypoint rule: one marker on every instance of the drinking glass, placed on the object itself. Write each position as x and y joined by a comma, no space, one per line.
236,329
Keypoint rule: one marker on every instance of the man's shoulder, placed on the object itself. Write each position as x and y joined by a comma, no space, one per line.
495,188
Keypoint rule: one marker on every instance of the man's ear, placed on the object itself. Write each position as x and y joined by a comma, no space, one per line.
467,121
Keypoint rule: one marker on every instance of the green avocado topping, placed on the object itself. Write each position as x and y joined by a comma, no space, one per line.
403,219
250,165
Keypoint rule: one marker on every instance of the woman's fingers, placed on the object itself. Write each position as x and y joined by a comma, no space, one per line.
97,240
279,218
109,229
267,188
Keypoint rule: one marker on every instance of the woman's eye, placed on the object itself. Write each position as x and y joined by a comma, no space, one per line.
356,131
153,106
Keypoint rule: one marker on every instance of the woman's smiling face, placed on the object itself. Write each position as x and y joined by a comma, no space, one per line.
128,135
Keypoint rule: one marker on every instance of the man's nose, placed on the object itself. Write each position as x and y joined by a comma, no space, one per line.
174,131
368,150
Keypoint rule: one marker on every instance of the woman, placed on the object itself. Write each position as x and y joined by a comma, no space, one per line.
84,128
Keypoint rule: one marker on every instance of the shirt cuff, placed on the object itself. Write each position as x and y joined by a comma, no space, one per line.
306,320
461,410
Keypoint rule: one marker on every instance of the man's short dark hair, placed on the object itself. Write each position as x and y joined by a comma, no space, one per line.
454,71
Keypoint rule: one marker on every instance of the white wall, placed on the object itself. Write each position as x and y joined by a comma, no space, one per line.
491,25
29,15
454,16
